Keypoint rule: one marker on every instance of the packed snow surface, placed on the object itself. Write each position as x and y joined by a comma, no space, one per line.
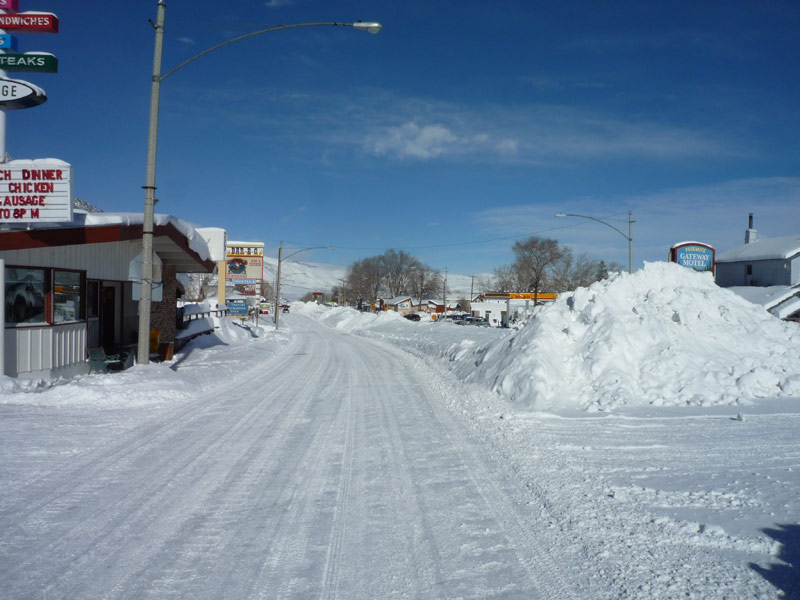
366,456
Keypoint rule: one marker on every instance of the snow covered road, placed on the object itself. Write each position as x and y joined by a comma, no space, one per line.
341,458
332,470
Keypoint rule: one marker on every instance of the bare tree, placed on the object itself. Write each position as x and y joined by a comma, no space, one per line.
425,282
504,280
199,286
365,278
535,258
398,267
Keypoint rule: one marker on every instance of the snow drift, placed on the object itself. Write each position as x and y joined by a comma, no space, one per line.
663,336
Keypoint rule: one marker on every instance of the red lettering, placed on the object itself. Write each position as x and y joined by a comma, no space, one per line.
5,174
35,213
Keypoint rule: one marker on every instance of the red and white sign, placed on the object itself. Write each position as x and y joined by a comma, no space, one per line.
35,191
31,22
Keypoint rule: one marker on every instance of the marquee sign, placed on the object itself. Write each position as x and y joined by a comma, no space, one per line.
15,94
694,255
30,22
35,191
35,62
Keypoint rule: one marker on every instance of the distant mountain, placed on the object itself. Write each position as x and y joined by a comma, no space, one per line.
79,204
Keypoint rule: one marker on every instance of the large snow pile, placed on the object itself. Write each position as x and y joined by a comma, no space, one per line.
663,336
344,318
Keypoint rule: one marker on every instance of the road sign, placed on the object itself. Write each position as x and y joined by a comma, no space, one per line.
15,94
30,22
36,62
7,42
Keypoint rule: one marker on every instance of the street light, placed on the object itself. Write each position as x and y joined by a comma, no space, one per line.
628,237
278,276
143,350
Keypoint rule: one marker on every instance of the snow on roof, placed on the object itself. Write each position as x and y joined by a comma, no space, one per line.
764,249
84,219
781,300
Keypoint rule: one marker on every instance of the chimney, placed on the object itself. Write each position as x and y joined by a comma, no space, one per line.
750,234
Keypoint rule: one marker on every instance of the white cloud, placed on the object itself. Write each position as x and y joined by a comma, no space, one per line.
537,134
412,141
278,3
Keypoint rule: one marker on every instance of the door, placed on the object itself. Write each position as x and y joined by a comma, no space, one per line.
108,316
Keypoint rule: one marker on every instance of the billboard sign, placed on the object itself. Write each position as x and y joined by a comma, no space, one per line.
244,261
694,255
12,5
30,22
35,191
34,62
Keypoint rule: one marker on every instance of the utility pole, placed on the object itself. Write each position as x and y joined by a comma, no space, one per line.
471,287
444,293
278,285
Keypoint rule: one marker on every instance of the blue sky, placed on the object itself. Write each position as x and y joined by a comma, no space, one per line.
459,128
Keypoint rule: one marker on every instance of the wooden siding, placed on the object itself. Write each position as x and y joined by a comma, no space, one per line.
100,261
41,350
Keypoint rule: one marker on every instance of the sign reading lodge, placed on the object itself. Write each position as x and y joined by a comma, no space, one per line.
15,93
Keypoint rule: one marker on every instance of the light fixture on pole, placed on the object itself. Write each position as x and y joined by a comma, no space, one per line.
628,237
278,276
143,349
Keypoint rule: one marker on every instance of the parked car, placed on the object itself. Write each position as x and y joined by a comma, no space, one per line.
479,322
412,317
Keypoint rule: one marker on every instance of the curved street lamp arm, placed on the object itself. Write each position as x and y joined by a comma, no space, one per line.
371,27
599,221
305,249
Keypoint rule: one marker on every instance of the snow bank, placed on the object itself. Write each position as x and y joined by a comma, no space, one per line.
203,365
344,318
663,336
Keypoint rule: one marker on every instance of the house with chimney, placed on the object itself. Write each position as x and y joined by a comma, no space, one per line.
765,271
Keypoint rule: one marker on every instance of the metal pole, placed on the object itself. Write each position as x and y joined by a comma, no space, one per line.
143,350
278,286
3,112
630,241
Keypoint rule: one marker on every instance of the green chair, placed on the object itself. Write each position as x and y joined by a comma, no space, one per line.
99,360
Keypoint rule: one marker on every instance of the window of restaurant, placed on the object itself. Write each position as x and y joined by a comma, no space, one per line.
36,296
25,295
66,296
